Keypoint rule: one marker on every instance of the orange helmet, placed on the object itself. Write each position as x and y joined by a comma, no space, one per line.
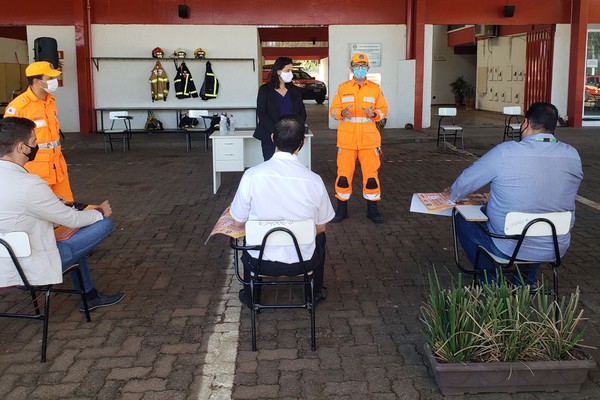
158,52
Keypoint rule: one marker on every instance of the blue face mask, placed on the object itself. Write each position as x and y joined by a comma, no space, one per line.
360,72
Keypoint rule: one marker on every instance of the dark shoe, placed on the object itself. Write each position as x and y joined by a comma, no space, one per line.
102,300
373,213
342,212
533,289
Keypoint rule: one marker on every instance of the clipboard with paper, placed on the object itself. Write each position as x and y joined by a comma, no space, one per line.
440,204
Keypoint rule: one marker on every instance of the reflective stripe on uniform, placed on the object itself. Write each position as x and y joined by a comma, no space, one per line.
49,145
213,92
358,119
344,196
372,196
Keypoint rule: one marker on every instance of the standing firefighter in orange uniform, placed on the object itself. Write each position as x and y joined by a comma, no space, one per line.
358,105
39,105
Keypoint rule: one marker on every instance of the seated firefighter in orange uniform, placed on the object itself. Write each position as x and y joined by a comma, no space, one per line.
358,105
39,105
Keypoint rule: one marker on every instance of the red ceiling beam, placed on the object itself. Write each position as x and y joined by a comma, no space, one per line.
461,36
298,34
297,53
13,32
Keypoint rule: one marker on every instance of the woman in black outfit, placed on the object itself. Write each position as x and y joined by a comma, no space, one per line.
275,98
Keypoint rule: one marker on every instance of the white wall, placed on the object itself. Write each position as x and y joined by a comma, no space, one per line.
323,74
8,48
504,60
427,75
125,83
447,66
67,98
560,68
393,48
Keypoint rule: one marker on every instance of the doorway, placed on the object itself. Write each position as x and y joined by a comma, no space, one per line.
308,47
13,61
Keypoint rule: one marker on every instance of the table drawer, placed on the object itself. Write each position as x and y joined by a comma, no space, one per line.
229,165
229,149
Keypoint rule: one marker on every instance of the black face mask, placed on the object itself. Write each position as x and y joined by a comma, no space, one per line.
32,153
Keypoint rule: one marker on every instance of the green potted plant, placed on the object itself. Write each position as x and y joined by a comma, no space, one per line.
469,97
501,338
458,88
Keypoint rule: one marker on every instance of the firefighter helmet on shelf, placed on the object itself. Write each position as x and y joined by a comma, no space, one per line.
179,53
158,52
199,53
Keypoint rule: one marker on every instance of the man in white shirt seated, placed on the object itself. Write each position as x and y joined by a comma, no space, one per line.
28,204
282,188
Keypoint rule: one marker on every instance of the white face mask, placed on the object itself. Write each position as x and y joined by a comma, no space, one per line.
287,76
52,85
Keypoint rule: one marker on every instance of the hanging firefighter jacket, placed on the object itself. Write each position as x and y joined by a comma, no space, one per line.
184,83
159,83
210,86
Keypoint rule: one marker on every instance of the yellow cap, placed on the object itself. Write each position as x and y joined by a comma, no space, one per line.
42,68
360,58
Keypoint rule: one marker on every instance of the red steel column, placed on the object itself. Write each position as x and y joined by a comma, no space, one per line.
409,30
579,21
419,52
82,22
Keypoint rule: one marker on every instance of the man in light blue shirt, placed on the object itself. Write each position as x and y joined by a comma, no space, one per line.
539,174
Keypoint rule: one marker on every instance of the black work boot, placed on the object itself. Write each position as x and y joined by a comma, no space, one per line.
373,213
342,211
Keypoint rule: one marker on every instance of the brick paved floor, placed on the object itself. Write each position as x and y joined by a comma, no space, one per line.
180,332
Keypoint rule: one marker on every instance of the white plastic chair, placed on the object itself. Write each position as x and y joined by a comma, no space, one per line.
118,135
518,226
262,234
512,122
451,130
15,245
208,126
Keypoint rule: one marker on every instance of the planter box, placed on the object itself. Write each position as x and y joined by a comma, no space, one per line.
535,376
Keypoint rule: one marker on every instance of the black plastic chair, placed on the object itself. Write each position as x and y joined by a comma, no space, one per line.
517,227
14,245
260,234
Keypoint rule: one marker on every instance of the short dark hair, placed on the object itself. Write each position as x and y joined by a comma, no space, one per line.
289,133
31,78
278,65
12,131
542,116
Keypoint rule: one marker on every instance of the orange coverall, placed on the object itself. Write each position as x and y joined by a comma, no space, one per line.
358,137
49,162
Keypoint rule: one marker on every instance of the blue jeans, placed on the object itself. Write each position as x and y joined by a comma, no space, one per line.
471,237
76,248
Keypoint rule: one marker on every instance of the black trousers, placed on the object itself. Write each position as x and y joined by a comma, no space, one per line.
275,268
268,148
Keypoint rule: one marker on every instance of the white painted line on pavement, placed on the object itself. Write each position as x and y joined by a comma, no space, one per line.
218,367
587,202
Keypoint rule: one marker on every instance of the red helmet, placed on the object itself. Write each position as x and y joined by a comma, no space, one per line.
158,52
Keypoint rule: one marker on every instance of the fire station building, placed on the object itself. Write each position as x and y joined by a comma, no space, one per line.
512,52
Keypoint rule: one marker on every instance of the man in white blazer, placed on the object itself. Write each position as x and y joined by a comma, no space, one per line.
29,205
